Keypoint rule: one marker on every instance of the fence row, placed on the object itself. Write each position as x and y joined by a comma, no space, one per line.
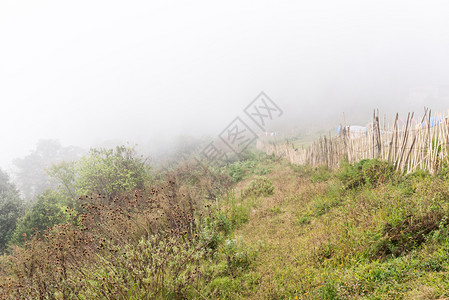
414,144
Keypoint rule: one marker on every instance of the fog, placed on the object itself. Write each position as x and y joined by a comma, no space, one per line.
90,72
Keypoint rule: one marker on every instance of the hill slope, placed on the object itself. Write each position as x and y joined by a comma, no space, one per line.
362,232
258,228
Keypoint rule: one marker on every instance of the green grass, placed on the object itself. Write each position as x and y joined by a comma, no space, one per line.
295,232
260,165
361,232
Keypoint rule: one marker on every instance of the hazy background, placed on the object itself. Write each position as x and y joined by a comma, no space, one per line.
93,72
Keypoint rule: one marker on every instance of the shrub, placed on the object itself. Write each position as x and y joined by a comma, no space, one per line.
241,169
110,172
371,172
50,209
142,245
259,187
11,209
408,235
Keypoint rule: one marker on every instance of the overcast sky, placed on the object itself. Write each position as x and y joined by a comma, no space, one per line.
90,71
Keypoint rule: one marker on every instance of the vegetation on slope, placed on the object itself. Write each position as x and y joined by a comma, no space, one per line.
256,228
325,237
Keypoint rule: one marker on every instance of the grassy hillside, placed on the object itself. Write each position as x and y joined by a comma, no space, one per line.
363,232
258,228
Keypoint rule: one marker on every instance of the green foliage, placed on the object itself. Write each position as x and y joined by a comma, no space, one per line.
443,171
436,146
372,172
373,234
239,170
155,244
316,174
329,291
230,270
276,210
410,182
323,204
65,174
320,204
237,259
110,172
11,209
303,170
234,213
253,165
51,208
409,234
321,174
31,175
259,187
153,268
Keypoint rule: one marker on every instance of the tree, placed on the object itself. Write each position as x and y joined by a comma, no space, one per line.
64,174
50,209
11,209
110,172
31,175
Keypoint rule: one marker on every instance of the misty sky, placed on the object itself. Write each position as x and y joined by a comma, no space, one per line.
90,71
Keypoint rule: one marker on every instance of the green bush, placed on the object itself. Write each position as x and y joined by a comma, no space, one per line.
11,209
51,208
372,172
110,172
255,165
239,170
259,187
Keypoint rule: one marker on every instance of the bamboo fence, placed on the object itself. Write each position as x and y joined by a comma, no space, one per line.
408,145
